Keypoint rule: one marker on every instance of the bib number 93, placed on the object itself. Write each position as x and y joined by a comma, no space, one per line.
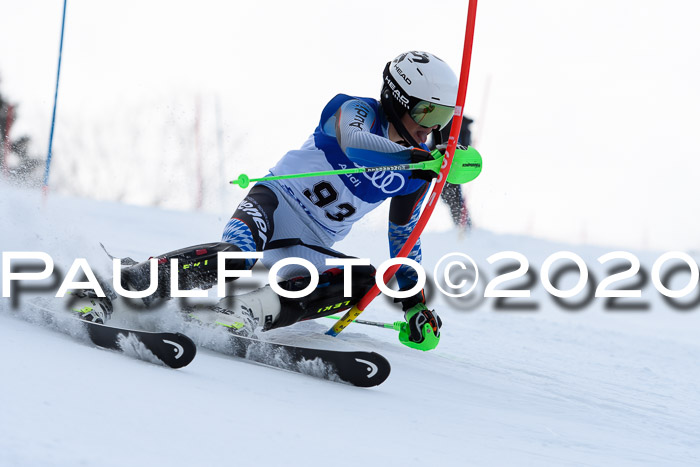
323,194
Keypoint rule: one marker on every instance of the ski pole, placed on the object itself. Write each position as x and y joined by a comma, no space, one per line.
442,177
243,180
465,168
396,325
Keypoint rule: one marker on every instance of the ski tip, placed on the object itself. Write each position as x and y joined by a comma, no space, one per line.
184,351
376,369
173,349
126,261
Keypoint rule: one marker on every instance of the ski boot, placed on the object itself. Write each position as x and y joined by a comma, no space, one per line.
90,307
241,314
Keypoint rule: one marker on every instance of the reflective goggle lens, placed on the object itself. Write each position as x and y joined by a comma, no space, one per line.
427,114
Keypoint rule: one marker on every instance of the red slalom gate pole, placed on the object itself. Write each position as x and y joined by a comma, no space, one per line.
442,177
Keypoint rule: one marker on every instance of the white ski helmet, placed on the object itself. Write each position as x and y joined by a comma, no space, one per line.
422,85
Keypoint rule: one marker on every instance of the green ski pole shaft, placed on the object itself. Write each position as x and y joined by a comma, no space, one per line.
243,180
396,325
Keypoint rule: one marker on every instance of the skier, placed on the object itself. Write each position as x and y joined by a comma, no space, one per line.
304,217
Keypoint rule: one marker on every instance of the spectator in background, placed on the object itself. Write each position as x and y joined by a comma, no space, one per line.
452,194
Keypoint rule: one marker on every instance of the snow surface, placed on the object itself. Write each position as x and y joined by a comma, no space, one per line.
545,387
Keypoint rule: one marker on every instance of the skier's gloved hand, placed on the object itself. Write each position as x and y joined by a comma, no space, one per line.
441,148
421,155
422,328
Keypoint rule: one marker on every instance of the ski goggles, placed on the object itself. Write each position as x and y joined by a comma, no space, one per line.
428,114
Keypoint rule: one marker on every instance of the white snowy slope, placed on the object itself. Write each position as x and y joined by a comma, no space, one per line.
544,387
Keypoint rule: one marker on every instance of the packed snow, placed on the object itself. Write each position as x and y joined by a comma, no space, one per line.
549,386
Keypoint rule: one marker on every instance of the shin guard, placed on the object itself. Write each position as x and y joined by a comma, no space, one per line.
327,299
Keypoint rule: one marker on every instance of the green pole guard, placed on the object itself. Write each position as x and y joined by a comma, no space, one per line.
466,166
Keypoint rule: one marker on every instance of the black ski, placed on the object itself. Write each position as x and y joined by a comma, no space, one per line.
359,368
174,349
363,369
